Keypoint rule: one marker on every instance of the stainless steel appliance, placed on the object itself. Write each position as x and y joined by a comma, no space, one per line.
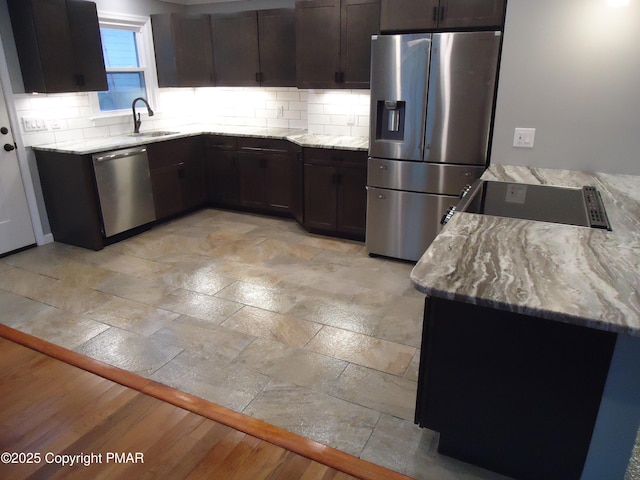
124,189
432,99
572,206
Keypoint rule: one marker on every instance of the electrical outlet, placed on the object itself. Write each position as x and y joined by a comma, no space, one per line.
280,111
524,137
351,119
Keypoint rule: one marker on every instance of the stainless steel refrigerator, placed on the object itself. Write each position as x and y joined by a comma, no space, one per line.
432,98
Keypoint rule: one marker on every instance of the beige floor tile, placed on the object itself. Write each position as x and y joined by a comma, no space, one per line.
402,446
143,290
197,279
60,327
130,315
71,297
218,382
414,366
255,274
291,365
335,244
377,390
130,265
60,267
15,308
362,350
261,297
204,338
129,351
274,326
198,305
25,283
314,415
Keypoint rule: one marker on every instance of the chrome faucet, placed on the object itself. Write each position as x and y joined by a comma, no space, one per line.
136,120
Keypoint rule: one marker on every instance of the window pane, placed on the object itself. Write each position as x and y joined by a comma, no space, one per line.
123,89
119,48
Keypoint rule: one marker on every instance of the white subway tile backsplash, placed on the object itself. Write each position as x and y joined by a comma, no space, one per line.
317,111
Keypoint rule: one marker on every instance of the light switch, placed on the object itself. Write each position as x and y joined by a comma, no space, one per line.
524,137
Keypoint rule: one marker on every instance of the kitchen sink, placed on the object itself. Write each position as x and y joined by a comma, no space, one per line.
154,133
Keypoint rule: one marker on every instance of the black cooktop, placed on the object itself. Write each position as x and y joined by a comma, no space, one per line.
572,206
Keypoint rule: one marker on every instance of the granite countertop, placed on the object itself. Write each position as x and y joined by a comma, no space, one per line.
299,137
584,276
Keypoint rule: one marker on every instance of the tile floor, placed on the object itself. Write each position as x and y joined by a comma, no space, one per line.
252,313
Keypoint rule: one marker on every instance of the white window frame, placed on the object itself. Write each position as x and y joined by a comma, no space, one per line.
141,26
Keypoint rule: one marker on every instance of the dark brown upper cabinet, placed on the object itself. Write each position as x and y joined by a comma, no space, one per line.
421,15
333,42
255,48
182,44
59,45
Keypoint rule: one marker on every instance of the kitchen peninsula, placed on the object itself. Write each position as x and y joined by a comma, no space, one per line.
531,340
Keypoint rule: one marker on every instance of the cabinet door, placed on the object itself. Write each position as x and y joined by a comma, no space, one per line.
193,175
43,40
177,175
318,43
182,46
277,45
320,197
406,15
278,182
251,171
359,20
222,171
167,190
89,73
297,183
472,13
352,200
194,54
235,49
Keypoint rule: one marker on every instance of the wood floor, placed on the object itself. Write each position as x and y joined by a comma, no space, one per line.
51,407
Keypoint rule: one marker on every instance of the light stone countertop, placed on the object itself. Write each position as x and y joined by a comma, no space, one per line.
299,137
584,276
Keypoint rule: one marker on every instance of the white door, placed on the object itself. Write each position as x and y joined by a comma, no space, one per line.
16,230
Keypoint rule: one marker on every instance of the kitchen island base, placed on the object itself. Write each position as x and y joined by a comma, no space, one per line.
513,393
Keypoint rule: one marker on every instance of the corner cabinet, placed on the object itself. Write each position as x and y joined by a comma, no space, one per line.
264,168
335,196
183,50
420,15
223,188
178,175
59,45
255,48
333,42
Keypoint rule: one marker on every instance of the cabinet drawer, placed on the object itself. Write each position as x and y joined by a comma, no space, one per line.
263,145
220,142
327,156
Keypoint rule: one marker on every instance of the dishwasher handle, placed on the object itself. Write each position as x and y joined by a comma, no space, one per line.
119,154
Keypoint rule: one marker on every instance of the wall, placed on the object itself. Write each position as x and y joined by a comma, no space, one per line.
571,69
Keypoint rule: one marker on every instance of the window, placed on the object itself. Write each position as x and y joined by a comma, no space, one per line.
129,64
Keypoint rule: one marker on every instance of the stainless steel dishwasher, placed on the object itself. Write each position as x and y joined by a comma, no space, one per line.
124,189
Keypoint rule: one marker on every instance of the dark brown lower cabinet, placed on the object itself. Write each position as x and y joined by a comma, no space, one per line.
71,198
265,174
223,179
178,175
335,197
513,393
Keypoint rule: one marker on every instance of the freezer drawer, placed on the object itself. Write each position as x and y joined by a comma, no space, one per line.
403,224
421,177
